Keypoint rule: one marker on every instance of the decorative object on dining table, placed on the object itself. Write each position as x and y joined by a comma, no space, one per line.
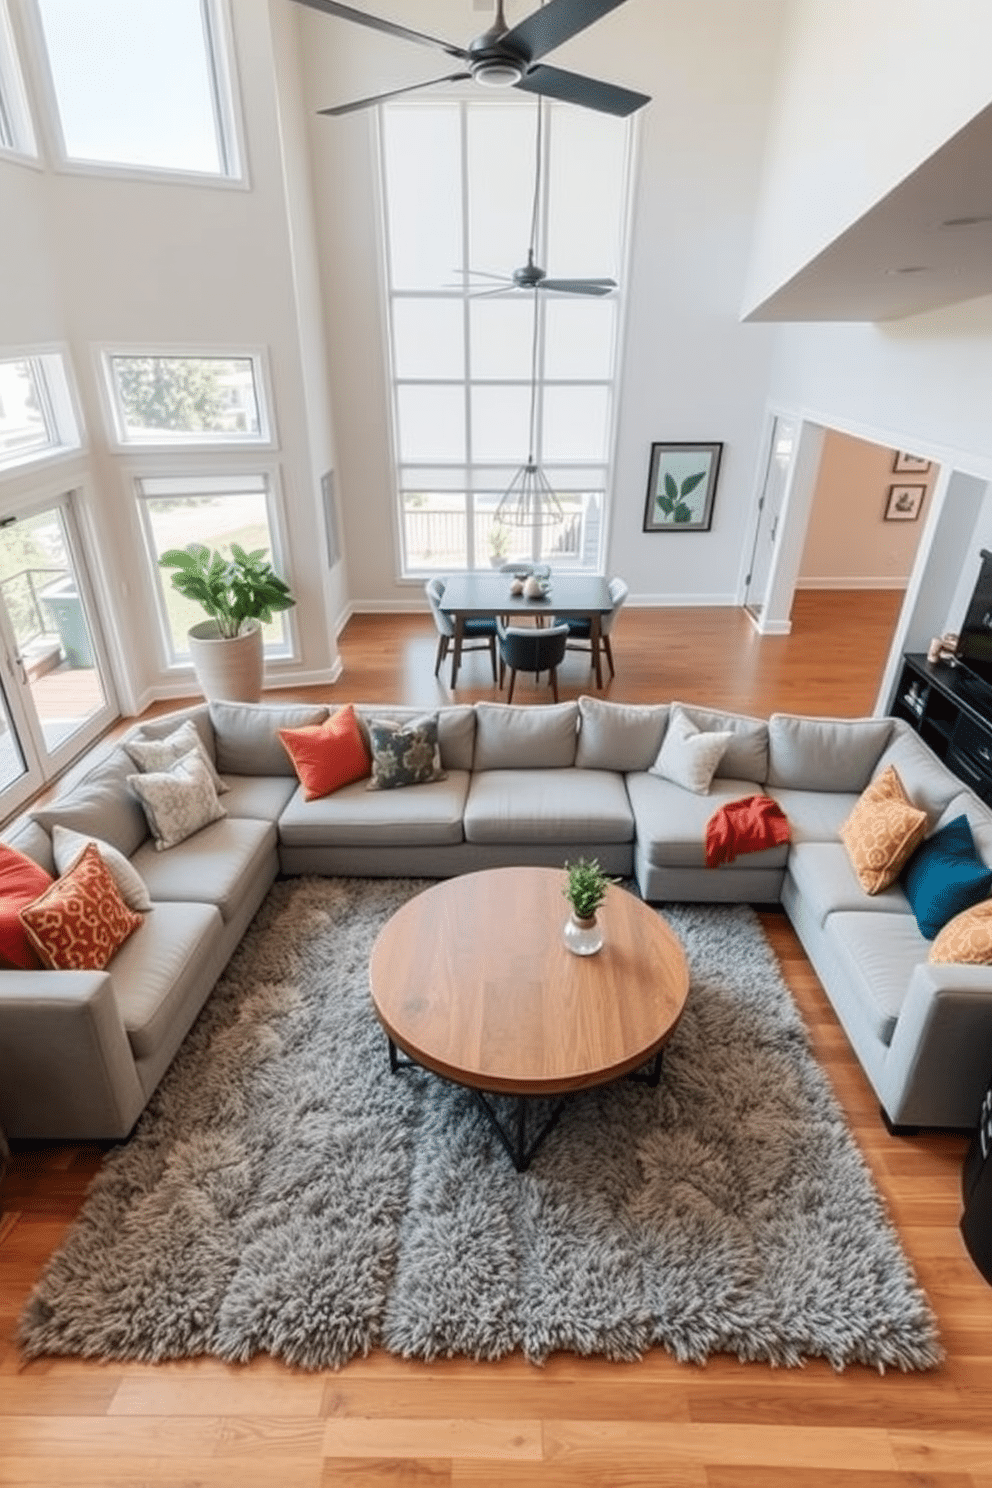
585,889
904,503
681,487
535,587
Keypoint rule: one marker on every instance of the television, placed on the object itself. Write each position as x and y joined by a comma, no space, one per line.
975,639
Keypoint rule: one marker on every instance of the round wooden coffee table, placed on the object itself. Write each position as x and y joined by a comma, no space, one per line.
472,980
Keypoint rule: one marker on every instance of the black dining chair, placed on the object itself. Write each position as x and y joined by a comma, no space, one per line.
579,637
531,649
479,634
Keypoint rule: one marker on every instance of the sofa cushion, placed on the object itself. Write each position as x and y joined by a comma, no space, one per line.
404,753
688,756
944,876
263,797
21,881
246,735
882,831
66,847
356,817
455,729
167,723
526,806
746,755
216,866
928,783
671,822
829,754
101,805
814,816
525,738
979,819
153,971
80,921
178,802
966,940
619,736
824,877
327,755
878,953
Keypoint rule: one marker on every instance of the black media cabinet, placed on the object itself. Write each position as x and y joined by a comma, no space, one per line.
950,714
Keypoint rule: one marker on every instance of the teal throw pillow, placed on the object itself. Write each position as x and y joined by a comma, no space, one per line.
404,753
944,876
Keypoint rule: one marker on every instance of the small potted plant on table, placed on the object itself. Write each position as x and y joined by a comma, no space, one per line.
240,594
585,889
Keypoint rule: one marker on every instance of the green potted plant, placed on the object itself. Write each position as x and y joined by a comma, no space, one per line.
499,543
585,889
240,594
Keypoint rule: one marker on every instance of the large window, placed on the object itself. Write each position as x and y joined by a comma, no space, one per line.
16,133
36,414
458,192
214,510
189,400
141,84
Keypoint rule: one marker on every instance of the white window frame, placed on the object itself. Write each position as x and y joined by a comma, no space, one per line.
117,433
196,472
17,136
489,478
227,110
57,395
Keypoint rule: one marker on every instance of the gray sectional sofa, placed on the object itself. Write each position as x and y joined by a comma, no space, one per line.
81,1052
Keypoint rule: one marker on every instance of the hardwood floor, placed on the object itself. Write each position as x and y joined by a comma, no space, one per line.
575,1422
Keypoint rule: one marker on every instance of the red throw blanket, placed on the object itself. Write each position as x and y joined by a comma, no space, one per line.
744,826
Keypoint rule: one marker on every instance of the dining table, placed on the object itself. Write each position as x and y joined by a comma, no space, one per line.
569,596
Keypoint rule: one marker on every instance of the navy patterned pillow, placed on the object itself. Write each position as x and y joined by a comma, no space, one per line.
404,753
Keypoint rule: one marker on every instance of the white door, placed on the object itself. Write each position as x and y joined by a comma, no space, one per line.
780,452
55,681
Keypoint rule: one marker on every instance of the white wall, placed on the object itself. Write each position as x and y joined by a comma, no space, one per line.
866,93
690,370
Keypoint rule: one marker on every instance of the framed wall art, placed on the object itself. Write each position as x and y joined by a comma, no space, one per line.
904,503
905,464
681,487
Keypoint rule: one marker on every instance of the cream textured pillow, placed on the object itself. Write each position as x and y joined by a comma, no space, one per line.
882,832
161,754
66,847
689,757
177,802
967,939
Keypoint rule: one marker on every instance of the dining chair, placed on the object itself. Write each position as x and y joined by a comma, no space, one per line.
531,649
579,638
479,633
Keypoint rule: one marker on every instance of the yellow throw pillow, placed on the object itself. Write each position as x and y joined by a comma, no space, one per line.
882,832
967,939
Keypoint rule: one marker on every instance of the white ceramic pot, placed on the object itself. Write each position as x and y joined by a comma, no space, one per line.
228,668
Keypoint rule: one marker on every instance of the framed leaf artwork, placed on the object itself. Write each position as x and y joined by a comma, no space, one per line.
681,487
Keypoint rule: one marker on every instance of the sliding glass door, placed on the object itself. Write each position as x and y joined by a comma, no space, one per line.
55,692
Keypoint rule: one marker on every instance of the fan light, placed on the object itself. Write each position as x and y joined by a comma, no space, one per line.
497,74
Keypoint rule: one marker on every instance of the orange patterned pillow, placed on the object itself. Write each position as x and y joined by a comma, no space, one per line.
78,923
967,939
882,832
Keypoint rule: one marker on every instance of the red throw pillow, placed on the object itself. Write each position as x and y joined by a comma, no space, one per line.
328,755
21,881
81,920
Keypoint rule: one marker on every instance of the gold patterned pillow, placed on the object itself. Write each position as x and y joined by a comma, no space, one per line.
882,832
967,939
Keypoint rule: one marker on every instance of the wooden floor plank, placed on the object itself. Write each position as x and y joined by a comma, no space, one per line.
572,1423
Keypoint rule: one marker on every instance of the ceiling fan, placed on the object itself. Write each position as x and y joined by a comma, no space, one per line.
530,275
507,57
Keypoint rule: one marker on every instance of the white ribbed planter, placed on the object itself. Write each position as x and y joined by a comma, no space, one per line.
228,668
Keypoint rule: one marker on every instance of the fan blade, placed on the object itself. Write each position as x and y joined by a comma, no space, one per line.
360,103
378,23
572,87
555,23
579,286
485,274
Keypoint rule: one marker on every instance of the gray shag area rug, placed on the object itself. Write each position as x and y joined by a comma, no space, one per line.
284,1194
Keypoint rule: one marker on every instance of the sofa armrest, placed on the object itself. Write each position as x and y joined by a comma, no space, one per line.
66,1067
939,1061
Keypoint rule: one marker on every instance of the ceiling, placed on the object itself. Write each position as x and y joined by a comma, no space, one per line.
927,244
